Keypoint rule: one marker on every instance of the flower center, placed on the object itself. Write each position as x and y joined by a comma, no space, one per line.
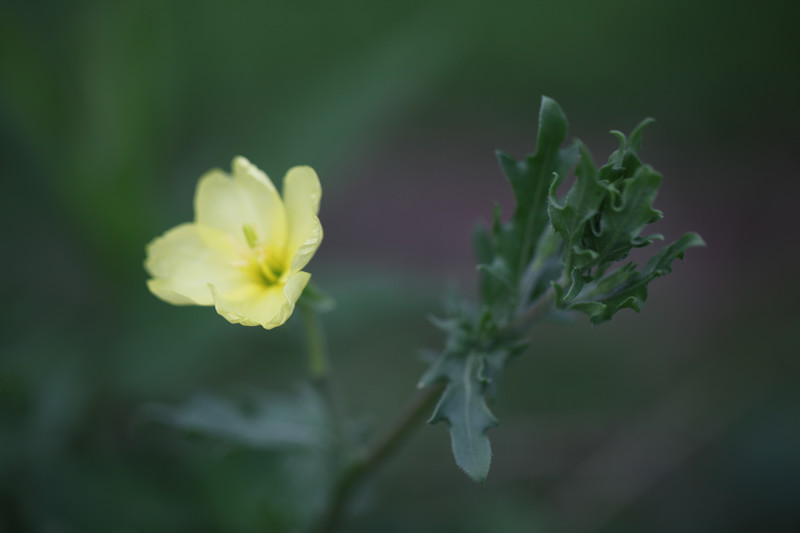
265,264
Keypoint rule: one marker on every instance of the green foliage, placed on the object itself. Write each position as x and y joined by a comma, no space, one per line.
512,246
111,109
298,422
289,439
553,255
470,365
625,287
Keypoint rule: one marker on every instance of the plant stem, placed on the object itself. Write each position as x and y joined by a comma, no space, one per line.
539,310
381,447
318,364
319,368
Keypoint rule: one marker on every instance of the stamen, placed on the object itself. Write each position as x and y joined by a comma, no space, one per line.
271,272
265,264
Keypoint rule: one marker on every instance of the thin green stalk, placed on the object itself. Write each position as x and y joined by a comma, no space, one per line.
533,314
378,451
318,363
320,370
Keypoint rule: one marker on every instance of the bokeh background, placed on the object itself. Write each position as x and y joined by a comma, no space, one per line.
685,417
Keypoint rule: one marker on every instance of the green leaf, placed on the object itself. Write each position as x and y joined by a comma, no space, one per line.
624,162
581,203
495,282
615,231
471,381
551,257
530,180
627,287
545,268
635,140
499,270
298,421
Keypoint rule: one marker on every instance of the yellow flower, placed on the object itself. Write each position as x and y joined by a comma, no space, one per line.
245,251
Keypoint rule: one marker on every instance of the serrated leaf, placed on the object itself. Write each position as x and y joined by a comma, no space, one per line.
460,335
627,287
563,245
498,269
624,162
616,232
530,180
576,286
581,203
493,285
471,381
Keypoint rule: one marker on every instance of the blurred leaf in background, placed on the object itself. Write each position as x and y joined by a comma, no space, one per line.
110,111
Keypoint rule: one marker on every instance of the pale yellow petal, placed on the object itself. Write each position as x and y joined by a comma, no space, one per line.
301,194
184,260
256,304
247,199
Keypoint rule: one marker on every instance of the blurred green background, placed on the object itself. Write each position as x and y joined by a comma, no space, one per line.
683,418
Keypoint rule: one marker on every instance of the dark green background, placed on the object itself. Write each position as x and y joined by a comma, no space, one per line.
684,418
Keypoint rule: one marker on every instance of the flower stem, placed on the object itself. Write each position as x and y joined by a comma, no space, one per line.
322,378
376,452
318,364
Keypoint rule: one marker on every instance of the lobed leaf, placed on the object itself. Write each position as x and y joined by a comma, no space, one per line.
615,232
530,180
563,245
581,203
471,381
627,287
